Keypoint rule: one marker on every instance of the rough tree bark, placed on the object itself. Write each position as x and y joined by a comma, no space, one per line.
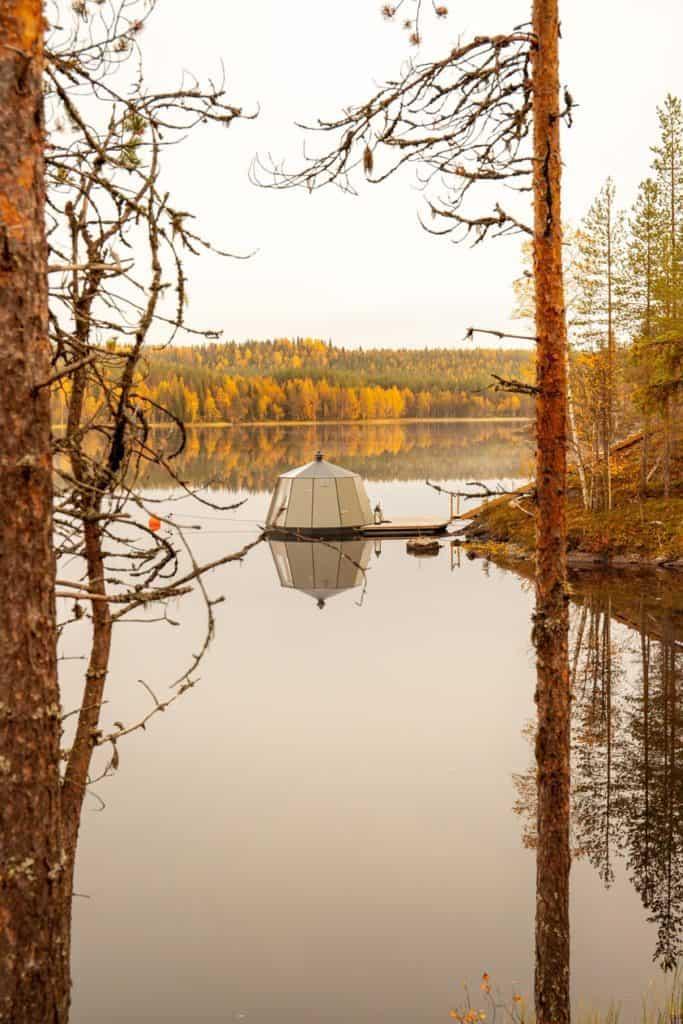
551,615
33,966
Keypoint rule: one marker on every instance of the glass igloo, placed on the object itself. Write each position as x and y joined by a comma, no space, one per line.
318,499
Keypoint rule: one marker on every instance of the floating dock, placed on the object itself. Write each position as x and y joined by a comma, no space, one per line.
416,527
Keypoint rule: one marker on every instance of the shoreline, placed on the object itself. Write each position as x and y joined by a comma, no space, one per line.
359,423
511,555
642,529
632,588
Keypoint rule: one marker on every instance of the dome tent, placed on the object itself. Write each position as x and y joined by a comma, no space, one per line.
319,498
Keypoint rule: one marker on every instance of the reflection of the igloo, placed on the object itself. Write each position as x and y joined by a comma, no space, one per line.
321,569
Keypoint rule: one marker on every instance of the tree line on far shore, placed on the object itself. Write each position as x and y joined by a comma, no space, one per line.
309,379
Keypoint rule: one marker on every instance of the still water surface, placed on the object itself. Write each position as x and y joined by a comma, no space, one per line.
336,823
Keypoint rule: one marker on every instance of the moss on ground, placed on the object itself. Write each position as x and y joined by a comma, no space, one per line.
638,529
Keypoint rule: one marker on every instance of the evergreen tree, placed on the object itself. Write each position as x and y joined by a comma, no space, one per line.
644,261
667,346
668,166
600,317
640,290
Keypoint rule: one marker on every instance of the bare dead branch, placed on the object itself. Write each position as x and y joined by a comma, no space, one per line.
66,371
513,386
471,331
463,120
106,200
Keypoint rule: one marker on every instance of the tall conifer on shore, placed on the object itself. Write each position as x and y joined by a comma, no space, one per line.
642,270
599,319
667,358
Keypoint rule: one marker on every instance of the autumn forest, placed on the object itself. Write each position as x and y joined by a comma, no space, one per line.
308,379
341,512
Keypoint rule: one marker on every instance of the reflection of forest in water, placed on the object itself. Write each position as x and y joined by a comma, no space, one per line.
250,458
626,643
627,742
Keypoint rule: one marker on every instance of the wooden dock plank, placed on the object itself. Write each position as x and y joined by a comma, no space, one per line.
406,527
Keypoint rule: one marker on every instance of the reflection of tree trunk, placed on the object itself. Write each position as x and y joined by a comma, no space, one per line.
670,715
607,691
593,656
578,647
645,665
550,618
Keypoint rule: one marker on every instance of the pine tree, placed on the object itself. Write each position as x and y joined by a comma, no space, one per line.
600,315
641,308
668,166
644,261
524,309
34,972
668,342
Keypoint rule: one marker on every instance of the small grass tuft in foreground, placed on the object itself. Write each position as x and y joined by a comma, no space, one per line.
655,1010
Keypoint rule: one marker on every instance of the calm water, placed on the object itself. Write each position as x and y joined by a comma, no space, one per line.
336,823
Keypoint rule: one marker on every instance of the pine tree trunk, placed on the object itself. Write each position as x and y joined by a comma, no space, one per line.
34,986
594,490
666,458
611,358
574,437
644,458
551,616
606,467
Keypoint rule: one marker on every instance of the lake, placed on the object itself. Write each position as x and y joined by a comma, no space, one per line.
337,822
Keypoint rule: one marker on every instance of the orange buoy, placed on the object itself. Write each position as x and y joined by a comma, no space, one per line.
154,523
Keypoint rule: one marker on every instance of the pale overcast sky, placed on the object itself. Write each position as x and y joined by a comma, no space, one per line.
360,270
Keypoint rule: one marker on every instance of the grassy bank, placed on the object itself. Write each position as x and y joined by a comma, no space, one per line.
639,529
662,1003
